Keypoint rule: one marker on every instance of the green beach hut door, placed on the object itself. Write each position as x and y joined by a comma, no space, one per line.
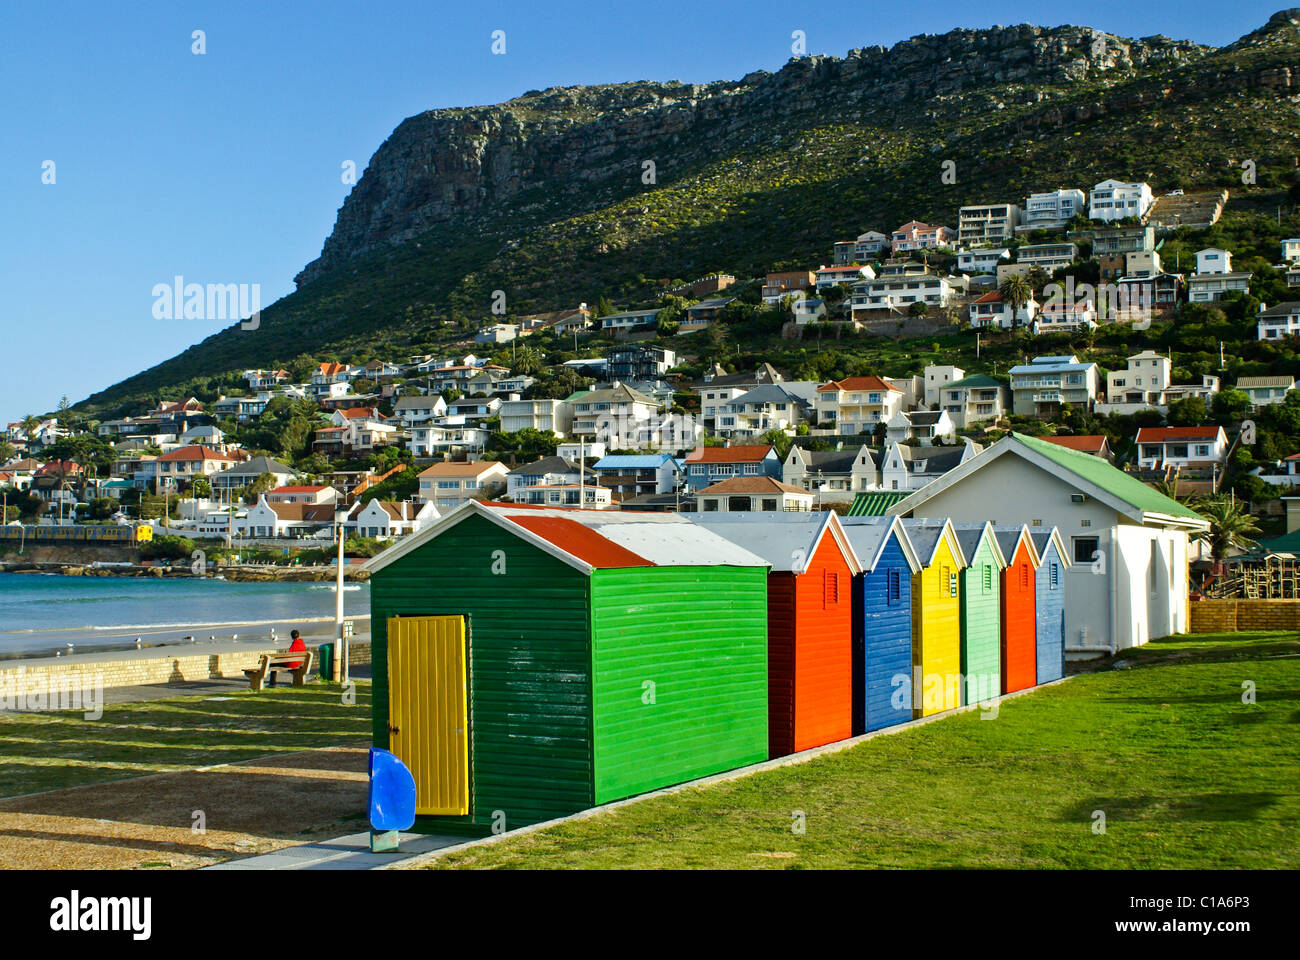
427,720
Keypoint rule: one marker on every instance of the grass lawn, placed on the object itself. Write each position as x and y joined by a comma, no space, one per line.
49,751
1185,773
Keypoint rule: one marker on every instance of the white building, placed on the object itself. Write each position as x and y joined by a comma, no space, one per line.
1040,387
1115,200
992,311
834,475
924,426
386,519
1128,543
911,468
856,404
1161,447
1208,287
981,259
974,400
553,416
452,436
987,223
936,377
447,485
1047,256
898,293
1052,211
1291,250
1278,321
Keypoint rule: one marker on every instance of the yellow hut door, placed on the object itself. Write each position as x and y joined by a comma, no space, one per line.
427,721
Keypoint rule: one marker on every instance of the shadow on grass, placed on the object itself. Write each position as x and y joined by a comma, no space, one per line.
1229,697
129,843
1206,807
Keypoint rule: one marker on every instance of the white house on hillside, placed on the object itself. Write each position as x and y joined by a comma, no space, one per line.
1115,200
1128,543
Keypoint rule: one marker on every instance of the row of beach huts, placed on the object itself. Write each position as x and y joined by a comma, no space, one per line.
530,663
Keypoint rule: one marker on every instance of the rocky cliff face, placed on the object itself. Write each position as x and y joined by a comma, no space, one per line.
561,146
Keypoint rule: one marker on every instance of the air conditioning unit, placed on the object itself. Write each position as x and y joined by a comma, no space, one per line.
1078,498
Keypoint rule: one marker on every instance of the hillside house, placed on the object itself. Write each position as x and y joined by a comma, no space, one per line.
856,405
911,468
706,466
1117,200
448,485
987,223
1163,447
835,475
974,400
1040,387
753,494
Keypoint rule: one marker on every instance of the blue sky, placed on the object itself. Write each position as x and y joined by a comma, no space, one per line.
225,167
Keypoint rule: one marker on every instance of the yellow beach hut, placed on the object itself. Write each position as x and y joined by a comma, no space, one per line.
936,617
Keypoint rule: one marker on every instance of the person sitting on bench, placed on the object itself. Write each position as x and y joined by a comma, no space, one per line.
297,644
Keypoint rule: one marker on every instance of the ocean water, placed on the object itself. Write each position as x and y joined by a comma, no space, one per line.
41,614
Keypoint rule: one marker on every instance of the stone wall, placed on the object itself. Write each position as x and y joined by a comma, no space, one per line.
84,671
132,671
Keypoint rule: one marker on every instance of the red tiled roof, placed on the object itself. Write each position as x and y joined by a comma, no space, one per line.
752,485
195,452
1164,434
858,383
581,541
738,454
994,296
1089,444
360,413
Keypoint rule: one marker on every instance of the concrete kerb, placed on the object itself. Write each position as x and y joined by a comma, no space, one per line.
740,772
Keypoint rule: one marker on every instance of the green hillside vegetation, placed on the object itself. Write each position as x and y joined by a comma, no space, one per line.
776,193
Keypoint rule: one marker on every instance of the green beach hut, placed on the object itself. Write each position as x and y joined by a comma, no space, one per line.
981,611
531,663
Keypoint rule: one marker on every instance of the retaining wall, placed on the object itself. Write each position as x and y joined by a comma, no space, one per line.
1231,616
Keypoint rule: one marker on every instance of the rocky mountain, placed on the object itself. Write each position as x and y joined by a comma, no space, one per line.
568,194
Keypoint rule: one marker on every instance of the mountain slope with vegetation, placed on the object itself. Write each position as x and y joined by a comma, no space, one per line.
546,197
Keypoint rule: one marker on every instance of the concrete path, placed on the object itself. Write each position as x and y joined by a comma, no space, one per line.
346,853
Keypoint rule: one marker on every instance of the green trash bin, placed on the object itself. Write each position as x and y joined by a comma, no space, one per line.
325,657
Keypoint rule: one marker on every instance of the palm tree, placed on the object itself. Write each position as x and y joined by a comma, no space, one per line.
1230,526
30,423
528,361
1168,487
1016,292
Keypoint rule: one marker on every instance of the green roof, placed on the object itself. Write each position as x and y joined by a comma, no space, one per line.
1287,543
1109,478
876,504
975,380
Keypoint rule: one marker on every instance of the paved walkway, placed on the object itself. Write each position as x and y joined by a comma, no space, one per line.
346,853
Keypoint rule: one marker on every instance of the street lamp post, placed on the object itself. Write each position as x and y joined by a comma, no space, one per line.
339,669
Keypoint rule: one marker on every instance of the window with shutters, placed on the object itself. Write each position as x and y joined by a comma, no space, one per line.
1053,575
1024,576
943,581
988,579
895,586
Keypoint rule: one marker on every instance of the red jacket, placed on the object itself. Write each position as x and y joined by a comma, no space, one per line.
296,645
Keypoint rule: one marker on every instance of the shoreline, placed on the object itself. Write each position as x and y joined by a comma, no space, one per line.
75,641
251,573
